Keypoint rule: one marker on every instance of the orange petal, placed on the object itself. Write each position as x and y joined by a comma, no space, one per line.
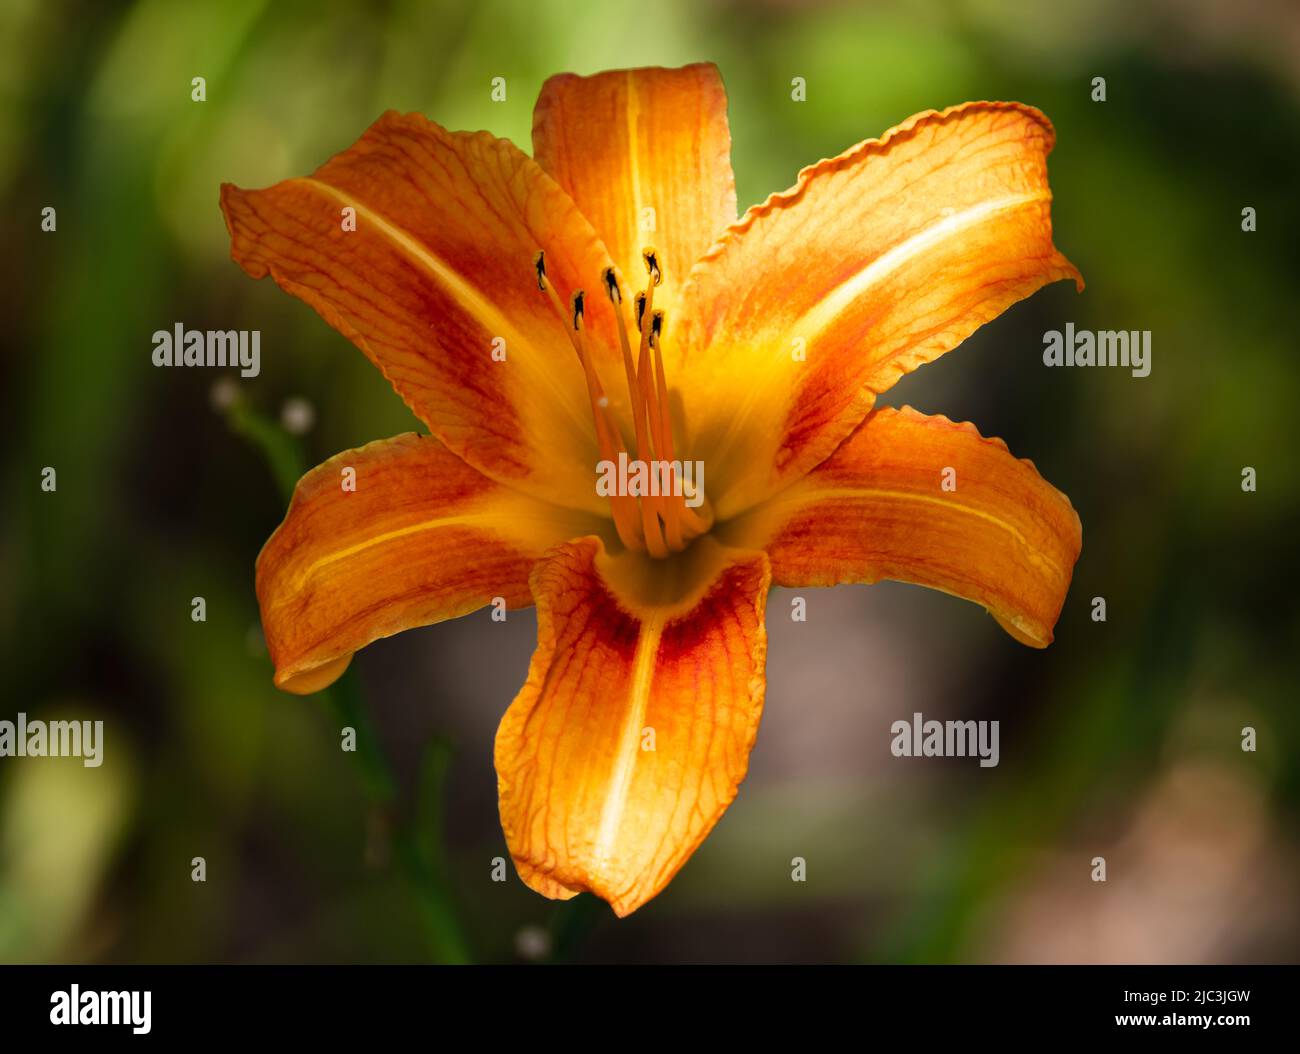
584,803
438,272
422,538
628,141
875,262
877,508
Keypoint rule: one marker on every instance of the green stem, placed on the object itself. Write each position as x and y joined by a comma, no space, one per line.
421,859
283,453
350,706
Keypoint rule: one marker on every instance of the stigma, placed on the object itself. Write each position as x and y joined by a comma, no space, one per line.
664,508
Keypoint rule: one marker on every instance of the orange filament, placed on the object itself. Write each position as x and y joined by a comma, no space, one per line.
651,506
661,523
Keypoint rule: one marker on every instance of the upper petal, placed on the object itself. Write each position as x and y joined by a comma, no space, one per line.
437,275
876,261
925,500
423,537
633,730
646,154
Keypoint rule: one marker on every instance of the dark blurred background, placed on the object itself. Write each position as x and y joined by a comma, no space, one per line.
1122,740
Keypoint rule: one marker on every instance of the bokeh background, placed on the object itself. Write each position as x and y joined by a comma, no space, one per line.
1122,740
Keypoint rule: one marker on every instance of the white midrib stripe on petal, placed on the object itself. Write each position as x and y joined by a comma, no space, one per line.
633,115
824,314
483,310
808,497
629,743
482,519
838,300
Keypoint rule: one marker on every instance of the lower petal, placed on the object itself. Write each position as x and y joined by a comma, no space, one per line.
397,534
632,733
926,500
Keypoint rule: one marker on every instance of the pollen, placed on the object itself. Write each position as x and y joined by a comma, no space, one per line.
664,517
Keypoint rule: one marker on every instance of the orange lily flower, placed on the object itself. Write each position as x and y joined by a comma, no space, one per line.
497,293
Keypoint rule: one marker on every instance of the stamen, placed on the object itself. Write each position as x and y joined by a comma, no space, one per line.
661,385
608,439
607,435
657,523
616,298
649,394
650,504
612,290
673,519
651,259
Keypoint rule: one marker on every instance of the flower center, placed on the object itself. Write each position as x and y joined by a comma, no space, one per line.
666,508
